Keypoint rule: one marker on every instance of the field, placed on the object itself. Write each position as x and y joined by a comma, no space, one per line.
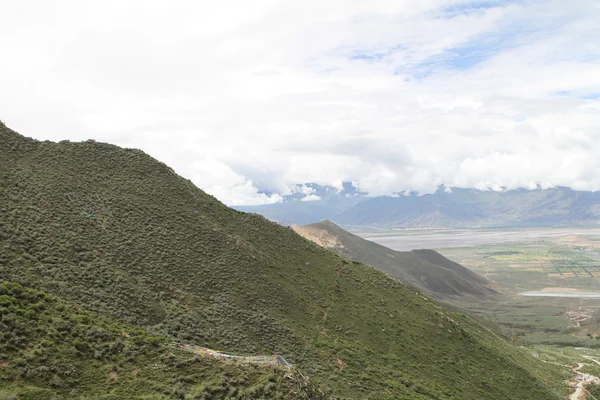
567,264
572,262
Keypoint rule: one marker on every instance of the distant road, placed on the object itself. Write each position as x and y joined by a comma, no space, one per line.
411,240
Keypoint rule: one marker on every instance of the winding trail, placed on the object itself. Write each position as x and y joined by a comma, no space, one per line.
580,378
582,381
592,359
580,389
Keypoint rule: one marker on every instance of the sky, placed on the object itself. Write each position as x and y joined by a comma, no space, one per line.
250,98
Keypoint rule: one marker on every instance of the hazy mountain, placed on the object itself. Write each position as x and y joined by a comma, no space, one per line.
425,269
309,203
447,207
108,258
475,208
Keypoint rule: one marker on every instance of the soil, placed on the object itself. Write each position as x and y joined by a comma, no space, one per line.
558,290
320,236
575,240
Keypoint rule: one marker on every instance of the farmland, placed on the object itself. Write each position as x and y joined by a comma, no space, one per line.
570,262
564,265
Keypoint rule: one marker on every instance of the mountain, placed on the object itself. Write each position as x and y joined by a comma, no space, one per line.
426,270
447,207
475,208
309,203
108,259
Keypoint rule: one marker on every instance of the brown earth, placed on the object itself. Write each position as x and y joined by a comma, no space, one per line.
576,240
320,236
559,290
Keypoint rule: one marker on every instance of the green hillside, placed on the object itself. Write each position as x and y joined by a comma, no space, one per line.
50,350
113,234
427,270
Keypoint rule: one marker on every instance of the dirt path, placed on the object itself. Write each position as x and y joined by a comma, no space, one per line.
579,392
592,359
582,381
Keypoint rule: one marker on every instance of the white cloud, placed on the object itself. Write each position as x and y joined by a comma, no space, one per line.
304,189
225,184
308,192
242,97
310,197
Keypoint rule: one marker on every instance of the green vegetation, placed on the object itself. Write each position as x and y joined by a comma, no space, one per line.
593,392
518,267
50,350
127,247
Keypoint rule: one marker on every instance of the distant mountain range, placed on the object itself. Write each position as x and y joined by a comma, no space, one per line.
426,270
447,207
309,203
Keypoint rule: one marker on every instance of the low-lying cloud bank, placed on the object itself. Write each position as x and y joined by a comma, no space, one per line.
249,99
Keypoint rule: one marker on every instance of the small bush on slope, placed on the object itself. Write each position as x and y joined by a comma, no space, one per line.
116,232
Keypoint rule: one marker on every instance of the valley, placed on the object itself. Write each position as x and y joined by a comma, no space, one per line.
542,284
549,278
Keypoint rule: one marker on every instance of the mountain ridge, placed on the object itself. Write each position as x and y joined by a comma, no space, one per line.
473,208
448,207
424,269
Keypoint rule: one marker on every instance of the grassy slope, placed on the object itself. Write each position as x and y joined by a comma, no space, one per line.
115,232
424,269
50,350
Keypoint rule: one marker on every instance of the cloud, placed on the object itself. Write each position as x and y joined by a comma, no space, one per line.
310,193
225,184
251,99
310,197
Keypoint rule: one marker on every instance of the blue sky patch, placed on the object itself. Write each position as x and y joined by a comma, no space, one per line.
474,6
362,55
